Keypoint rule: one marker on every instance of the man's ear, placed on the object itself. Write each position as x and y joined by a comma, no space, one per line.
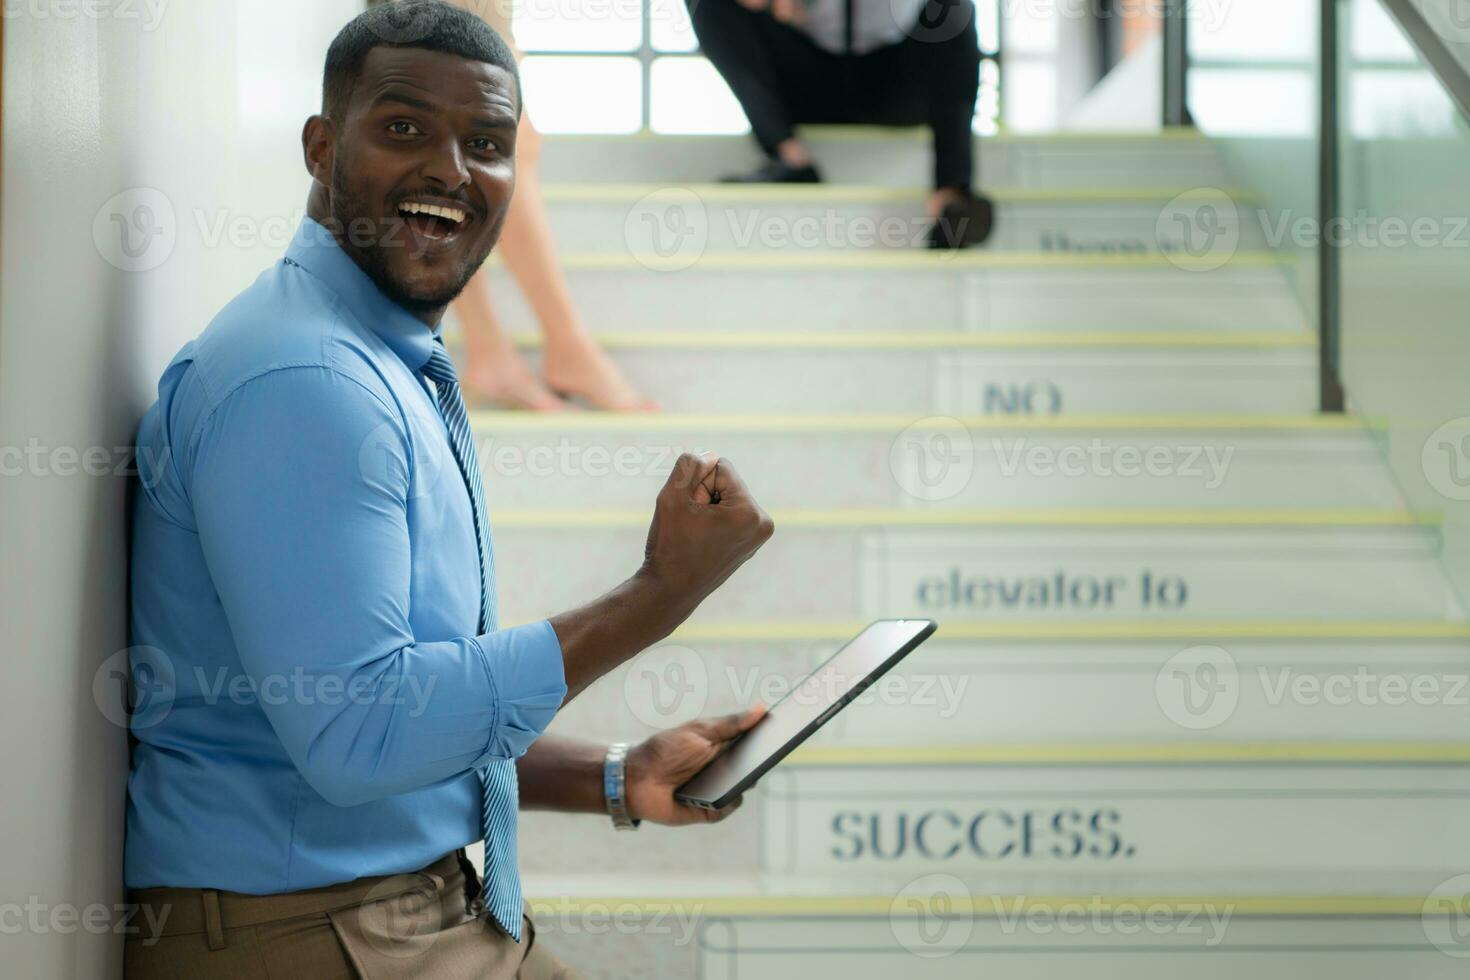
318,147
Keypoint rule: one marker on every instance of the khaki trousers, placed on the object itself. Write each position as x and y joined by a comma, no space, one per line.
393,927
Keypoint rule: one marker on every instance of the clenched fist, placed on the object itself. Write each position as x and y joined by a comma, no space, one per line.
705,526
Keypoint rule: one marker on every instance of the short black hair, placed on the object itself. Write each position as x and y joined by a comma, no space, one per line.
429,24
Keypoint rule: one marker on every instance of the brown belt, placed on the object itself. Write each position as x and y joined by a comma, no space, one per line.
209,911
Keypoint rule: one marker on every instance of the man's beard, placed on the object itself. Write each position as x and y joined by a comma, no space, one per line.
371,256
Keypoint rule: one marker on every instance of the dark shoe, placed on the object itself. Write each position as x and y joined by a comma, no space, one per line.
776,172
963,223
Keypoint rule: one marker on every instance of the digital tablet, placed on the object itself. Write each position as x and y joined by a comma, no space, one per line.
805,708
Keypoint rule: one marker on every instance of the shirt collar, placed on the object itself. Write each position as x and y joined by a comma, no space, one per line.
316,250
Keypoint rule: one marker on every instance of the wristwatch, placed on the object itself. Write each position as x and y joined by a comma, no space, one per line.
615,786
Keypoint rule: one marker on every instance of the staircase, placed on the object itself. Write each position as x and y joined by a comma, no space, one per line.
1196,704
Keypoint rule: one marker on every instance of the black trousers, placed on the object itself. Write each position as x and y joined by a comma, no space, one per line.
782,79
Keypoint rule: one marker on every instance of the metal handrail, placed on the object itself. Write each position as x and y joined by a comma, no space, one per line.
1436,51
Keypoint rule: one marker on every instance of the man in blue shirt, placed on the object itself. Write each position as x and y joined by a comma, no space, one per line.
326,712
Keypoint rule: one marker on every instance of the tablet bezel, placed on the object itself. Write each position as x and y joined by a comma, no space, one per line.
770,762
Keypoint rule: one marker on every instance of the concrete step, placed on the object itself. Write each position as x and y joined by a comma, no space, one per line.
1339,818
625,926
973,290
664,222
1041,683
952,373
537,460
898,157
1024,564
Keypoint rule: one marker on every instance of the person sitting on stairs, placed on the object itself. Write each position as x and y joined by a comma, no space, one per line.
879,62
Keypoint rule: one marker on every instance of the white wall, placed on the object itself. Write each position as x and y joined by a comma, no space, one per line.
202,103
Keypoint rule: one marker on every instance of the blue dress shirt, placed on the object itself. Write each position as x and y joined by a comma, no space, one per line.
312,697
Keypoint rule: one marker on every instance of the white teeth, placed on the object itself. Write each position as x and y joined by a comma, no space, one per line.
451,214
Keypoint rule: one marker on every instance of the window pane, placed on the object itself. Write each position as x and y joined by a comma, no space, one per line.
1390,103
1030,28
987,24
578,25
987,105
1254,30
583,95
689,96
669,27
1030,103
1375,35
1251,102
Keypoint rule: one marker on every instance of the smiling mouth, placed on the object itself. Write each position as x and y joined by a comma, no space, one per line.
436,222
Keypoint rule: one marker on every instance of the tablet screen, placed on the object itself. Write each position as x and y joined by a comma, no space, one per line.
805,708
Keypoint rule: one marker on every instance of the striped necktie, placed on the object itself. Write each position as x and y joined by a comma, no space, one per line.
502,887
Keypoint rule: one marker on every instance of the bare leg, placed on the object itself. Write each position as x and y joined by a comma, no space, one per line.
573,363
494,370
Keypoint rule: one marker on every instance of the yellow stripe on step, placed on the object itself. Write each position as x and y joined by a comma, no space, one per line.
564,519
837,632
980,905
902,133
614,193
919,340
1125,753
906,260
888,424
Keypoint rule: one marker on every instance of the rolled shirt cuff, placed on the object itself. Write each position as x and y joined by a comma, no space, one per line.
528,677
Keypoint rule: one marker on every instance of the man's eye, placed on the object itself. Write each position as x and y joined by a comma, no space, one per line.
485,144
403,128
